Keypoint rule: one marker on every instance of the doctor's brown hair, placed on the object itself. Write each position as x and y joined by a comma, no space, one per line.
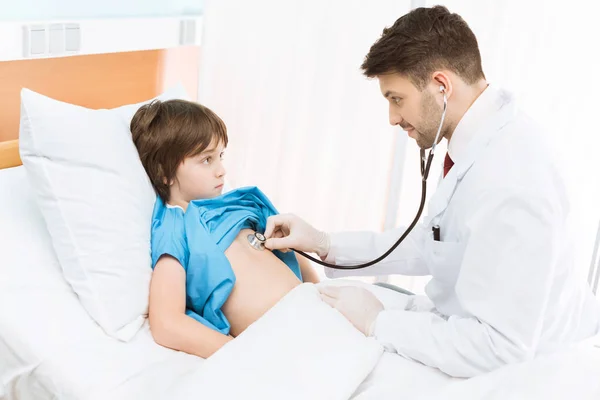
167,132
423,41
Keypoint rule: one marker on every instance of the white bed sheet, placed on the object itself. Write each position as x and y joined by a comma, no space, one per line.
50,348
562,376
573,374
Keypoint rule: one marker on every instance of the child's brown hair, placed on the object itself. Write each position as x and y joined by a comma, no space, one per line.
166,132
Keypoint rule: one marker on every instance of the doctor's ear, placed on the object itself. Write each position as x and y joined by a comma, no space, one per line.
442,83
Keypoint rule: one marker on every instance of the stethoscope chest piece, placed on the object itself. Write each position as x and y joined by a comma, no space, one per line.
257,240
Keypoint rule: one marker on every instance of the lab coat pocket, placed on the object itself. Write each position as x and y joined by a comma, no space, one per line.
444,260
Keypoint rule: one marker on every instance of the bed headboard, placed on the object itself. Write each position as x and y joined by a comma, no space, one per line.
93,81
9,154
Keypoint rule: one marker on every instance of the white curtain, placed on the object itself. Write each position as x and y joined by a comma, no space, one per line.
304,125
545,52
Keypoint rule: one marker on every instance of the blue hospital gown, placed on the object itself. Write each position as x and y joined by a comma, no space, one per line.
198,238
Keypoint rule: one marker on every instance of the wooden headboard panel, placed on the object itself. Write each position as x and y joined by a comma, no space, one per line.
93,81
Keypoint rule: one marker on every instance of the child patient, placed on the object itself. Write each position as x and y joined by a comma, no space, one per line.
208,284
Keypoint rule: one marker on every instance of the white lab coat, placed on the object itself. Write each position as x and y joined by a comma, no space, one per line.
504,286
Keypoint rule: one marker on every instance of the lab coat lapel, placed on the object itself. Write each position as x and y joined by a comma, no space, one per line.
441,198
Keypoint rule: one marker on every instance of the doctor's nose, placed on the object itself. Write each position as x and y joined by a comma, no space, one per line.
395,119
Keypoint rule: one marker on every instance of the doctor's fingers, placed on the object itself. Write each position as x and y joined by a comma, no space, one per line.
280,222
330,290
279,243
278,233
332,301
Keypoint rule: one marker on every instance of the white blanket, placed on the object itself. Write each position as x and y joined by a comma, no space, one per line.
300,349
303,349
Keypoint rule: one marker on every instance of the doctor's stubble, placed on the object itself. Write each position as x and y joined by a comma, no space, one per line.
431,113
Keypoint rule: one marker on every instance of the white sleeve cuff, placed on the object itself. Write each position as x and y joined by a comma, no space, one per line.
330,258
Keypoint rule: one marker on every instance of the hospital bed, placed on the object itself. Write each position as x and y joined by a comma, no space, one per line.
50,347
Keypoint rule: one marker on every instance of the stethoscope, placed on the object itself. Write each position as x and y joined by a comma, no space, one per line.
257,240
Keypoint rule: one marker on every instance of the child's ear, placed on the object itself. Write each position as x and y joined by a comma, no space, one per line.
164,179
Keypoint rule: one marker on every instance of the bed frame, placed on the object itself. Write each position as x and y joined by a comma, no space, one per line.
93,81
9,154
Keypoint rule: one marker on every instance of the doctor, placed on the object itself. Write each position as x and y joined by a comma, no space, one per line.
504,286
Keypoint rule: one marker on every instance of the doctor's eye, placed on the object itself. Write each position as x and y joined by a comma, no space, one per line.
396,100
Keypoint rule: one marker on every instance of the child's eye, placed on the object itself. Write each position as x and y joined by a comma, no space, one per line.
222,155
207,160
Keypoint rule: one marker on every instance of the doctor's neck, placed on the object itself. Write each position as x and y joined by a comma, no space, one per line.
462,98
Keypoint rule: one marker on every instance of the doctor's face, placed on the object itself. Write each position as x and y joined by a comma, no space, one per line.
417,112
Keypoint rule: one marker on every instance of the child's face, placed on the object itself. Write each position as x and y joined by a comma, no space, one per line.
200,176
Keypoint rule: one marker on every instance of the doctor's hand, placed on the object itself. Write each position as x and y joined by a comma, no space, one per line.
287,231
357,304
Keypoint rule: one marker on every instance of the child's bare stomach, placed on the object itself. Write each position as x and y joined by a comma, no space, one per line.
261,281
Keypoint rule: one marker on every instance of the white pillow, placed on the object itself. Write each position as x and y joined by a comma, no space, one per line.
97,202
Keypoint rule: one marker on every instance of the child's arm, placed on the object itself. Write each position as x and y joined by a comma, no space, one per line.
169,324
308,272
